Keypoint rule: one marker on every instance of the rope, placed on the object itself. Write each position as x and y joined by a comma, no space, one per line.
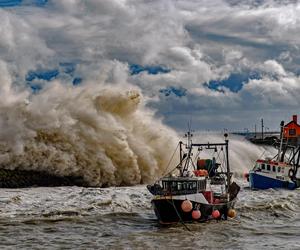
180,219
265,152
170,160
175,167
193,165
197,155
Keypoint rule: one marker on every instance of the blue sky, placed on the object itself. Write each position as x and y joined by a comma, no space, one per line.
14,3
226,63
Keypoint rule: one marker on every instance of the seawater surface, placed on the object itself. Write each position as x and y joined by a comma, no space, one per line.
122,218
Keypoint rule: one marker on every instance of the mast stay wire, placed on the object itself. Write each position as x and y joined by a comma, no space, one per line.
164,172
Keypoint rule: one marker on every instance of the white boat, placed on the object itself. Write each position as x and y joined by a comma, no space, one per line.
282,171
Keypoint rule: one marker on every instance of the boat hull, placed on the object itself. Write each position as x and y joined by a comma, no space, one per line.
259,181
168,210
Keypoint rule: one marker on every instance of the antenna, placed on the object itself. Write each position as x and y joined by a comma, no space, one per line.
189,136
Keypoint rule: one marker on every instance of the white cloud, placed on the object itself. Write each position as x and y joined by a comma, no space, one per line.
273,67
198,41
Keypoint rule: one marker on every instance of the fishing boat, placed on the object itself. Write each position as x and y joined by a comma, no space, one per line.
198,188
281,171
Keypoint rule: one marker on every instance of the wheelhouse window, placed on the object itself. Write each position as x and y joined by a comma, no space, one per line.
263,166
278,169
292,131
201,184
268,167
183,186
273,168
180,185
191,185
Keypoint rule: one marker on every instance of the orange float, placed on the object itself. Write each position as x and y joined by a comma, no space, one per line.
186,206
215,214
201,172
196,214
231,213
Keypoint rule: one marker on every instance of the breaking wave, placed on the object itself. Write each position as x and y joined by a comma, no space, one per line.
102,134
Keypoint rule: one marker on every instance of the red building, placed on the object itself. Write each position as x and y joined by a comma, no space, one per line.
291,130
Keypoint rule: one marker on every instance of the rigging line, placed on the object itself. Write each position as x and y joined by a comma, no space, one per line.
197,155
210,164
218,159
265,151
170,160
175,167
193,165
180,219
223,166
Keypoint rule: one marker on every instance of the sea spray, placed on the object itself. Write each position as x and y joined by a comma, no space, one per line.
101,133
242,153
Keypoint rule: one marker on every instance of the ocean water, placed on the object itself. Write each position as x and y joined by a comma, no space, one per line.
122,218
109,138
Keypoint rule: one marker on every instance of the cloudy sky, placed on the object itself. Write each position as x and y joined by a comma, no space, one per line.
221,64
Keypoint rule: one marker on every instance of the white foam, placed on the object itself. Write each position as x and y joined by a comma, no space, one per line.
101,133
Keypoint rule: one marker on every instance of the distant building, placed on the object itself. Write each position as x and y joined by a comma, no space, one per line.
291,131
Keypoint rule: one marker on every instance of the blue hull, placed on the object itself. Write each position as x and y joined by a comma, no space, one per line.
258,181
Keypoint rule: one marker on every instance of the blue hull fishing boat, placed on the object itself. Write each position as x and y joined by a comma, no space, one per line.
282,171
269,174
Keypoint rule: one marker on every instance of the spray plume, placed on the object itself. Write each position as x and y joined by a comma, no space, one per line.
100,133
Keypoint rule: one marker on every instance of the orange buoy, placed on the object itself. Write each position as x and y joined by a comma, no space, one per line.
231,213
215,214
196,214
186,206
201,172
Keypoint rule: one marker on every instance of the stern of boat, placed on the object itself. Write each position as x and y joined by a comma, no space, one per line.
168,210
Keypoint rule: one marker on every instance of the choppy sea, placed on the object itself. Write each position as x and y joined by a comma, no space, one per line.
122,218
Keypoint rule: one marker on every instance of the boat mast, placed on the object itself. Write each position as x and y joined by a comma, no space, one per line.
189,136
189,147
281,142
296,166
180,156
262,128
227,162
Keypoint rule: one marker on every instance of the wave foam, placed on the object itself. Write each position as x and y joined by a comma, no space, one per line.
100,133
